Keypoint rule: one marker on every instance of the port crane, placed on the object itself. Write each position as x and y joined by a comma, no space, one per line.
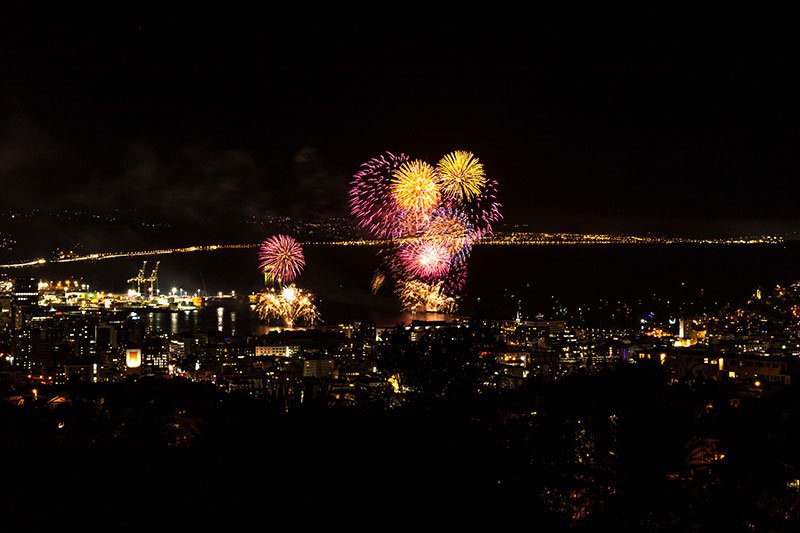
153,280
140,278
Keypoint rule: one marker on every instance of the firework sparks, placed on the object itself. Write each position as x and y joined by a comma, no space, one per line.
456,277
291,305
484,210
460,175
414,188
281,259
419,296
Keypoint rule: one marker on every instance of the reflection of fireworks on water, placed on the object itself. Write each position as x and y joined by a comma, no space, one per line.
414,188
371,201
281,259
420,296
427,260
290,304
460,175
378,279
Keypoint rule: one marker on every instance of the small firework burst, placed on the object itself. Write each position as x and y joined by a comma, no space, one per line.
289,304
281,259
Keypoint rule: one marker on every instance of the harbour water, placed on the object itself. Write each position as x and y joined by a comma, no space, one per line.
500,277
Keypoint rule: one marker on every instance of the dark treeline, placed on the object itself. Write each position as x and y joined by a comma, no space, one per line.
622,448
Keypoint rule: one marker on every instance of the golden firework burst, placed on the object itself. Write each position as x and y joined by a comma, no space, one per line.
461,175
414,187
420,296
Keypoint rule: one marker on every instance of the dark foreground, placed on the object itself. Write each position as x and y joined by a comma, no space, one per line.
619,449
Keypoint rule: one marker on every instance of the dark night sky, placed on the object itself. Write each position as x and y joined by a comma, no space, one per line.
664,128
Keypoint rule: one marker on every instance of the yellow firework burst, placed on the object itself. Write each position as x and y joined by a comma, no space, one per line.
414,187
461,175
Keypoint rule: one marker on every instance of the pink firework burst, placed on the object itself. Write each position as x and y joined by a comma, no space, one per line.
427,260
281,259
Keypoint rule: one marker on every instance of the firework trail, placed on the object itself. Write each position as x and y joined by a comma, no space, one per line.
378,279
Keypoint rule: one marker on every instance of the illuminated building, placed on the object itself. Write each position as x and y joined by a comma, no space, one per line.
133,358
22,348
155,354
24,300
276,351
689,363
512,368
317,367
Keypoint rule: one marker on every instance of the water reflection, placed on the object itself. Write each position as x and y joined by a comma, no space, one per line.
222,319
241,320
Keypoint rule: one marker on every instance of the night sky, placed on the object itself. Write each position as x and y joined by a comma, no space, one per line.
669,129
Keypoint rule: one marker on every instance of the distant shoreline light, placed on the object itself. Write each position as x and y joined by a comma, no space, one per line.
499,239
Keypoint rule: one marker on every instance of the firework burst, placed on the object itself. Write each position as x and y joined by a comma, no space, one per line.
420,296
290,304
281,259
450,227
430,217
427,260
371,200
461,175
414,188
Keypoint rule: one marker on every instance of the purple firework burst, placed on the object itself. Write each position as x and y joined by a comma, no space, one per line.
371,201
